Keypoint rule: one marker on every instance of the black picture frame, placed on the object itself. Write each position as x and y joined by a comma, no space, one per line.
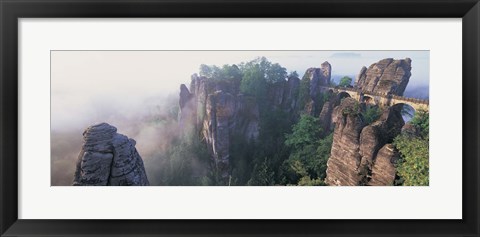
11,11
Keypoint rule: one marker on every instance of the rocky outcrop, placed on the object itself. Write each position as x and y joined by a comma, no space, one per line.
326,117
109,159
342,166
198,88
247,118
364,155
290,94
275,94
318,77
383,172
388,76
219,111
220,115
283,95
188,114
376,135
355,147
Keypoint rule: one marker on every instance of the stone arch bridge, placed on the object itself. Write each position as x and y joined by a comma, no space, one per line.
378,98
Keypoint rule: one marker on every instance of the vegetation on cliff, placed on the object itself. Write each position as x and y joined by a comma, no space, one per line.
413,167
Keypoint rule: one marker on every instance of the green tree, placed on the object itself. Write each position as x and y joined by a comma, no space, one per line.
421,122
323,153
258,73
224,73
206,71
413,167
371,114
293,74
305,132
253,82
275,73
345,81
262,175
179,159
307,162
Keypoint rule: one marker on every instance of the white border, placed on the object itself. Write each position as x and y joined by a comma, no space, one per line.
441,200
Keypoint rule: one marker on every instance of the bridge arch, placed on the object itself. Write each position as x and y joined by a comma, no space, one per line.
414,103
368,100
343,95
340,96
406,109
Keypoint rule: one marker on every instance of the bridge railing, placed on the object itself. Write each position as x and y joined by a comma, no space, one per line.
371,93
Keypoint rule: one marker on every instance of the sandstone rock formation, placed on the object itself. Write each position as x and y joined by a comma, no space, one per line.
355,148
188,114
319,77
220,115
326,117
376,135
220,109
344,157
109,159
386,76
363,154
290,94
383,172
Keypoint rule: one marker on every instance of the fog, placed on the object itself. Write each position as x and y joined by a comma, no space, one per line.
137,92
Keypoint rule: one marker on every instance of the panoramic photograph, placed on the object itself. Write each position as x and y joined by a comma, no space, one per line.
240,118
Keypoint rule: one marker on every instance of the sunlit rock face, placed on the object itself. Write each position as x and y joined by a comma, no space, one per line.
108,158
363,154
342,166
387,76
356,146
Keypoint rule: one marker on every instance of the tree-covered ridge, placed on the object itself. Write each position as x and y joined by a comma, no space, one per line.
272,158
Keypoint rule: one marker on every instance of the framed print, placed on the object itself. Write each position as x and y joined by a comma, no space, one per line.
253,118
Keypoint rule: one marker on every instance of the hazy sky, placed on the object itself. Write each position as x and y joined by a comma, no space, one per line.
86,86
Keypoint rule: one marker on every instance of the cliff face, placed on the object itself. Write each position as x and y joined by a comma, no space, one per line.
383,172
220,113
386,76
363,154
109,158
355,148
345,158
318,77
